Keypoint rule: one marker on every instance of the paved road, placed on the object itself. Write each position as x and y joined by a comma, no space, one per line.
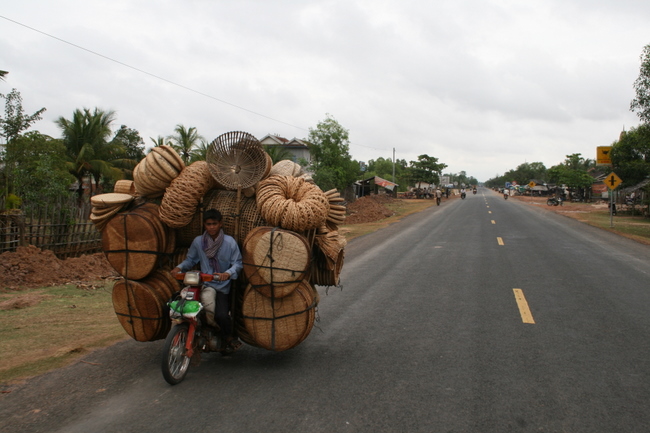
481,315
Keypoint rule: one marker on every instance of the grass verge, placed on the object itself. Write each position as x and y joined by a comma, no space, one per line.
633,227
46,328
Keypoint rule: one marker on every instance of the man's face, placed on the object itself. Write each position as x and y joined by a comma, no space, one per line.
212,226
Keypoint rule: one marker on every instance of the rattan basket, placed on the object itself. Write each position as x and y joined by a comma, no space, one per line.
226,203
285,168
141,310
181,199
292,203
133,241
278,324
276,261
237,160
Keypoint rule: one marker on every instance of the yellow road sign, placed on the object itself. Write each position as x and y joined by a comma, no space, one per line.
612,181
602,155
532,184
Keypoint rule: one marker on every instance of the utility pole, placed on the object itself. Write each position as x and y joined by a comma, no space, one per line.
393,165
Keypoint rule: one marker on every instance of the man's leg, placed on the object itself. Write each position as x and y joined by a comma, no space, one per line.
221,315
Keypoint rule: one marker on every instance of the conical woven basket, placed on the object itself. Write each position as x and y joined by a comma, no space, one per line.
237,160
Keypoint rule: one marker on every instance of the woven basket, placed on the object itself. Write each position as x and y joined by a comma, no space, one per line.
186,234
276,261
124,186
324,270
237,160
278,324
181,199
285,168
140,310
132,242
146,184
292,203
226,203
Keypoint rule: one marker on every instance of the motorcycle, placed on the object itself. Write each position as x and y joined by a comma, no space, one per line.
552,201
191,333
474,192
505,196
462,195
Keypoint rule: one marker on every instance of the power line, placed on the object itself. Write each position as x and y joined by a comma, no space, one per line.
151,75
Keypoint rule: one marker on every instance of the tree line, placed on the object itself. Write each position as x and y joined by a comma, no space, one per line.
36,167
630,154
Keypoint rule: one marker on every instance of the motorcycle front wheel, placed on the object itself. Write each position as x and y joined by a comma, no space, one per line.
549,202
175,361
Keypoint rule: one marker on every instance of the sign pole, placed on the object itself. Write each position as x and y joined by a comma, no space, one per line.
611,208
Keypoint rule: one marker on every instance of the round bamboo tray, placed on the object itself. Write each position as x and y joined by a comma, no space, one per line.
276,261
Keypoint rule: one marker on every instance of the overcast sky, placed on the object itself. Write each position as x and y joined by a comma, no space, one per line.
483,85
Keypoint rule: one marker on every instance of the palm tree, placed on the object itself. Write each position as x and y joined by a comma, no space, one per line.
185,142
159,141
200,152
3,74
278,153
86,138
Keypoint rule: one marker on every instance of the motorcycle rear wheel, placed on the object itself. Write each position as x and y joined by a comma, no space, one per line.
550,202
175,362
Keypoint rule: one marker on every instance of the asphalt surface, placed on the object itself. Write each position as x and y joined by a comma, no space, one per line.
480,315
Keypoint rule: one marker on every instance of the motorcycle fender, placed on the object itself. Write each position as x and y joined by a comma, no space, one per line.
189,344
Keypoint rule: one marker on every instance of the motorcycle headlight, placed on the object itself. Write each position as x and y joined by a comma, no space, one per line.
192,278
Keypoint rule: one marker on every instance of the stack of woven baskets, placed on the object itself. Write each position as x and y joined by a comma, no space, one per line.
286,227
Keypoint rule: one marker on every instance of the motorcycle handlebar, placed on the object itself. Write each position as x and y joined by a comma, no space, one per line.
204,277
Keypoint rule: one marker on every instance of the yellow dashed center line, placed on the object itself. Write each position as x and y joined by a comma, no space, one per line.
493,222
489,211
500,241
526,315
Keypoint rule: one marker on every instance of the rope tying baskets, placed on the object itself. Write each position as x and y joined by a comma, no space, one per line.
179,204
292,203
275,260
237,160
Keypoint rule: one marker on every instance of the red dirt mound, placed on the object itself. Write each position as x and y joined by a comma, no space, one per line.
31,267
369,208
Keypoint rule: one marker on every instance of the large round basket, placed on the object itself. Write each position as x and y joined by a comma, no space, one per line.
237,160
141,310
278,324
132,242
276,261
